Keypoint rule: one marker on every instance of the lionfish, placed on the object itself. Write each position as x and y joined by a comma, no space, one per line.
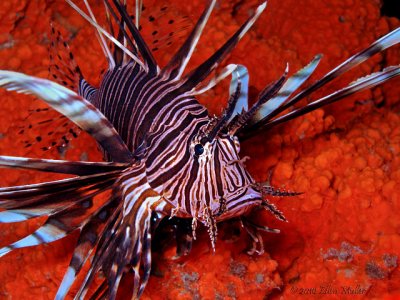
166,157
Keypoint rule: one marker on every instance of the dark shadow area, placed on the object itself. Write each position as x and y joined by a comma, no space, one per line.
391,8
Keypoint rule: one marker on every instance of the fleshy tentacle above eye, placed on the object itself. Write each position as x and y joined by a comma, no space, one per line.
74,107
244,116
240,76
238,94
273,96
237,103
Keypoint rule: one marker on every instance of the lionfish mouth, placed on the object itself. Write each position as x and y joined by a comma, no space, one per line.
240,202
253,195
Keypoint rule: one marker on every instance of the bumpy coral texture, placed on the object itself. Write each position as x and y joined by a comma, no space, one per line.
342,237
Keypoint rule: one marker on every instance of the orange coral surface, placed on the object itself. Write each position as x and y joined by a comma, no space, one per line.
343,235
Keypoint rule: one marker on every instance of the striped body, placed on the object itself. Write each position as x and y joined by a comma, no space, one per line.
150,110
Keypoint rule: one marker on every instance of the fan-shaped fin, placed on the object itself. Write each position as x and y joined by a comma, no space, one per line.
149,61
45,128
50,203
175,68
288,88
361,84
164,27
56,227
60,166
109,36
242,118
390,39
200,73
130,240
70,104
88,239
63,67
16,197
100,37
207,85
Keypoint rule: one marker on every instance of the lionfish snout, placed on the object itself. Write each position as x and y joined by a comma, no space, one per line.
237,203
227,188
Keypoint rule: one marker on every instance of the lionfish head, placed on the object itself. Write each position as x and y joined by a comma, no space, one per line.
226,189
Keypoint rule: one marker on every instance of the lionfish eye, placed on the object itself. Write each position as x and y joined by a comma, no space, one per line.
198,149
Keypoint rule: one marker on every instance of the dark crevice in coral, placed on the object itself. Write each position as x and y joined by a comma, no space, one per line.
391,8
